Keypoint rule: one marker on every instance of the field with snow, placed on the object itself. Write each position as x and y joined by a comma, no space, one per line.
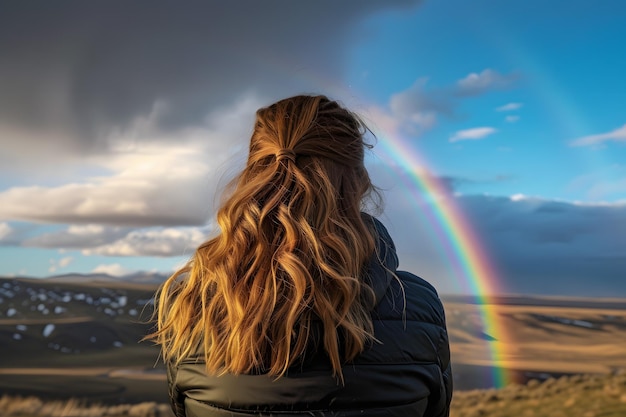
64,340
68,339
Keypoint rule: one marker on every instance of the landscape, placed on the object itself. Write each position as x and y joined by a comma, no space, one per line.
72,346
495,136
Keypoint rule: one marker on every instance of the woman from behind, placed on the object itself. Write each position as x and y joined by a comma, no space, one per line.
296,306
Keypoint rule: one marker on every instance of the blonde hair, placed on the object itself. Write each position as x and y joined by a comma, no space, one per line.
292,250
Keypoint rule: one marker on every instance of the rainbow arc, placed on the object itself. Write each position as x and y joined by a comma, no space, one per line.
471,263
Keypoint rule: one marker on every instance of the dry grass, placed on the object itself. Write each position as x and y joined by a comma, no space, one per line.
574,396
35,407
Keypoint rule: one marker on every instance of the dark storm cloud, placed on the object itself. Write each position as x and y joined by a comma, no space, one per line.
461,184
553,247
538,246
80,68
596,228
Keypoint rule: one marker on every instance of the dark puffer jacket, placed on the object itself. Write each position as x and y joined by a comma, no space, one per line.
406,374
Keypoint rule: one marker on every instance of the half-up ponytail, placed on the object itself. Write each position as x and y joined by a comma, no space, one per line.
291,251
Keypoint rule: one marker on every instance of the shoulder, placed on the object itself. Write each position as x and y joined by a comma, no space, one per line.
422,300
417,298
419,284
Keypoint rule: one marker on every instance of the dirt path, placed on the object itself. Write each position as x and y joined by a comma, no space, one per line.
129,373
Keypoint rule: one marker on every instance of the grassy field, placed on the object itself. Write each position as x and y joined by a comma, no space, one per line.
539,338
575,396
67,344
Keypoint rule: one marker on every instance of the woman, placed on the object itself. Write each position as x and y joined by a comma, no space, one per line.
296,306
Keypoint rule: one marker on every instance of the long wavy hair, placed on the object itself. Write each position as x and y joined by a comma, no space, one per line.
292,250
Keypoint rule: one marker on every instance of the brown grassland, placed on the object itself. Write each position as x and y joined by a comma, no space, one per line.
72,349
575,396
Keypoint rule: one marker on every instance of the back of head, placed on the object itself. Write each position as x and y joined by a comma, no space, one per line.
291,251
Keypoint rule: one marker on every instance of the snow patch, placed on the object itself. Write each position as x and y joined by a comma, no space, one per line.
48,330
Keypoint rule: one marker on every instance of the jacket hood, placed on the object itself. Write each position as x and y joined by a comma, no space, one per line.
384,263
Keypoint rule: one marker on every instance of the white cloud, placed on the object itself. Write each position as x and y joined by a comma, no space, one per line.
151,181
417,109
511,119
607,182
417,99
617,135
411,111
5,230
77,237
509,107
63,262
56,264
616,187
85,229
488,79
383,121
472,134
154,242
115,270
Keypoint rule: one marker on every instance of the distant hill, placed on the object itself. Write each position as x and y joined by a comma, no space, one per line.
140,277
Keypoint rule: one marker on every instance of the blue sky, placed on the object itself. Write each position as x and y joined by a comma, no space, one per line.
119,123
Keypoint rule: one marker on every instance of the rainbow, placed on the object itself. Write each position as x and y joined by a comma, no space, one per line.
458,237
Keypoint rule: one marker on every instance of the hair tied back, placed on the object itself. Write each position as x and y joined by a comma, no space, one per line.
287,154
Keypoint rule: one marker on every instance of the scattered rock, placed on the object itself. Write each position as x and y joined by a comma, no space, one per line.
47,331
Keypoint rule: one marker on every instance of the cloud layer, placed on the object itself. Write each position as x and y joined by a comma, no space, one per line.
154,242
107,63
149,178
537,245
121,121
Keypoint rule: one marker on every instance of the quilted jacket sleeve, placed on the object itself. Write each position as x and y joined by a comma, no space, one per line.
442,404
447,385
423,298
176,398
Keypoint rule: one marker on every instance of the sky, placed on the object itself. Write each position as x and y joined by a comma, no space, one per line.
120,122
